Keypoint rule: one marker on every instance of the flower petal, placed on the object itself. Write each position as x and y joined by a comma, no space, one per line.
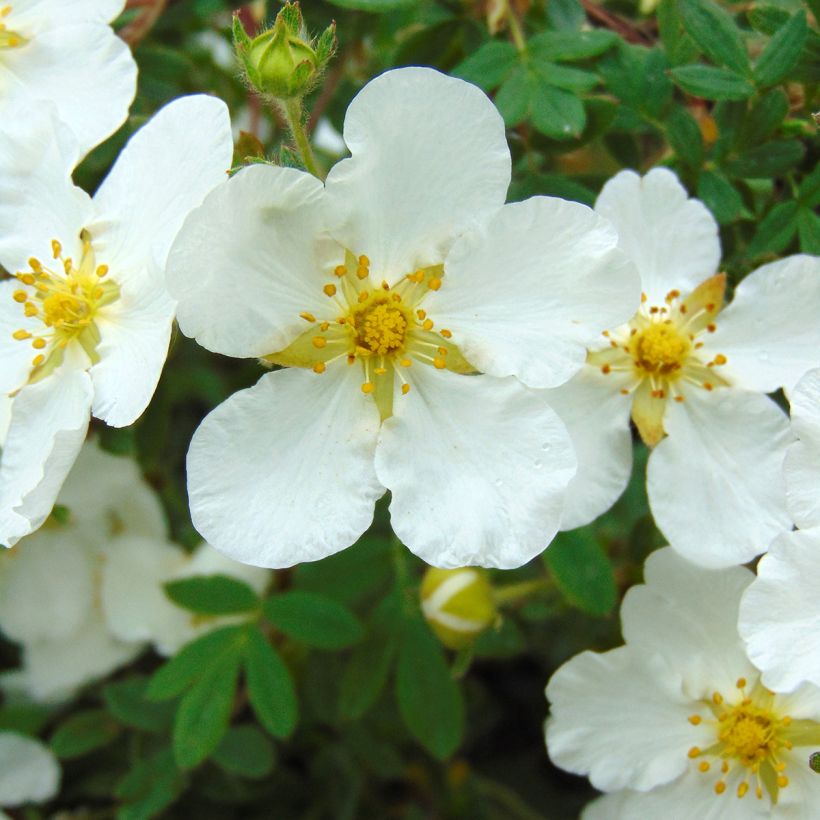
15,355
769,333
163,173
429,158
780,612
715,483
49,420
283,472
245,263
530,292
802,464
672,240
474,488
621,718
596,415
51,11
29,772
688,615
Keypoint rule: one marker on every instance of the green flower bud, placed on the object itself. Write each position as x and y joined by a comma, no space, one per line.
458,604
283,62
814,762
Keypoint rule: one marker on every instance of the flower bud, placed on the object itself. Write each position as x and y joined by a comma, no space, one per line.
458,604
283,62
814,762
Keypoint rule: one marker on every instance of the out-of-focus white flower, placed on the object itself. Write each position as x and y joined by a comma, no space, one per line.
409,305
29,772
87,322
694,378
65,54
780,612
151,616
677,722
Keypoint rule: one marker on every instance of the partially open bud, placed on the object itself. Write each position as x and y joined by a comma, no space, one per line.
284,62
458,604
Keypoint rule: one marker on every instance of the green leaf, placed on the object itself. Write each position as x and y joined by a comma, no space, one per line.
150,786
312,619
488,65
715,33
373,5
776,230
245,751
205,710
571,79
554,112
566,14
127,703
683,133
720,196
570,45
429,700
767,19
712,83
764,119
513,98
270,687
24,718
194,660
783,51
582,571
809,192
769,160
212,595
808,228
678,45
82,733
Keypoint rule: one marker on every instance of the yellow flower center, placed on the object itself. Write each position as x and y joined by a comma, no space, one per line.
381,326
9,38
750,739
660,348
66,303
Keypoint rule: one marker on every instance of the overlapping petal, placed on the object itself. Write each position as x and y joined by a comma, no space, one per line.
802,464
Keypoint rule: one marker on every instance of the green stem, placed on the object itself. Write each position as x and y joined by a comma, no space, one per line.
515,592
295,118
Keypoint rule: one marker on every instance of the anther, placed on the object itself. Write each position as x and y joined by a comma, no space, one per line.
38,343
308,317
694,752
695,720
20,296
405,389
434,283
446,333
428,324
38,359
329,289
422,314
21,335
102,271
717,698
720,787
340,270
741,683
26,278
782,781
708,386
711,327
405,362
56,248
364,261
324,326
362,272
380,371
704,766
368,387
742,789
439,363
319,341
319,367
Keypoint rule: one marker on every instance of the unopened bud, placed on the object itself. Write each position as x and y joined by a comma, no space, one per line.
284,62
458,604
814,762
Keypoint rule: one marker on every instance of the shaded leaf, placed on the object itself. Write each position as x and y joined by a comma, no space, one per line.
245,751
212,595
313,619
270,687
82,733
712,83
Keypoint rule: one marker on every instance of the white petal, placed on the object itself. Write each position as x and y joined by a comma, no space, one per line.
620,718
205,560
283,472
802,464
106,494
770,333
163,173
29,772
134,333
5,418
45,586
49,420
688,615
799,801
672,240
530,292
478,468
596,415
245,263
85,70
15,355
52,11
38,200
429,158
780,612
715,483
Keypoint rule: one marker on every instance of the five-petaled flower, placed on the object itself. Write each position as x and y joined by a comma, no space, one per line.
677,722
694,377
415,314
87,319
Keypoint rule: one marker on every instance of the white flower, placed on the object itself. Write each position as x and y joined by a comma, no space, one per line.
51,584
384,292
29,772
87,323
780,612
694,379
677,722
152,616
64,53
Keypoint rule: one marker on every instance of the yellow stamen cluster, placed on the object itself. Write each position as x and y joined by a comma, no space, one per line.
9,38
65,303
750,737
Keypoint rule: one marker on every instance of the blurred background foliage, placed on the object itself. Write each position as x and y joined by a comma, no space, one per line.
336,700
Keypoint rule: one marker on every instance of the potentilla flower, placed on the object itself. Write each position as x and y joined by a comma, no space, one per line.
780,612
694,377
29,771
87,319
677,722
65,54
403,298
